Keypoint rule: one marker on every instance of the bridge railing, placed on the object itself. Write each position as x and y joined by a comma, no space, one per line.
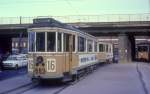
81,18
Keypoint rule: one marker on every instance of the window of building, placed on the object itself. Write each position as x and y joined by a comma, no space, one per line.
81,44
40,41
89,45
51,43
31,39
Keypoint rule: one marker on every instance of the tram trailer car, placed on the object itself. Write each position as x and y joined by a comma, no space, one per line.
60,51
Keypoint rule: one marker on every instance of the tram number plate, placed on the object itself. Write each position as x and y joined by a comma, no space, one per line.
51,65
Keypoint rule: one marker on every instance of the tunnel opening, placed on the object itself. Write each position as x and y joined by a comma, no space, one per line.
5,44
7,37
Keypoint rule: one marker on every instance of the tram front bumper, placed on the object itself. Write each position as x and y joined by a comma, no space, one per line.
46,76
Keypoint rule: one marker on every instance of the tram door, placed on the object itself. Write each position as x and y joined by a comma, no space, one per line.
69,50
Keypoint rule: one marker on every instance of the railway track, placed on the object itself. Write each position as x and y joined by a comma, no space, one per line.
145,89
24,88
20,89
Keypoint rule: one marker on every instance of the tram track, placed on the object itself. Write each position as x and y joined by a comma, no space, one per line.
24,88
21,89
27,87
142,79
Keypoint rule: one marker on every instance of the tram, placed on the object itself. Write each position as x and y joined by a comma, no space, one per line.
143,52
60,51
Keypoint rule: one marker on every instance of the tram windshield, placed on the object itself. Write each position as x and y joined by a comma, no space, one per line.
142,48
51,42
46,42
40,41
31,36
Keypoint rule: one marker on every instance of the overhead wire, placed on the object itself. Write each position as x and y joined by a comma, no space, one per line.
72,7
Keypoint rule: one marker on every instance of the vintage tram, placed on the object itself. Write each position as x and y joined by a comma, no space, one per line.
143,52
60,51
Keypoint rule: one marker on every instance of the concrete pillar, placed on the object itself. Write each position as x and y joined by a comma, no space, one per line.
124,47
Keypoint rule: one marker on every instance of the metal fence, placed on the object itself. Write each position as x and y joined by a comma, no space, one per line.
81,18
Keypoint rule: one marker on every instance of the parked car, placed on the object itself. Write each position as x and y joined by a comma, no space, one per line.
15,61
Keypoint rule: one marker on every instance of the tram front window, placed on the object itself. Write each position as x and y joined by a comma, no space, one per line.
51,42
40,41
31,40
142,48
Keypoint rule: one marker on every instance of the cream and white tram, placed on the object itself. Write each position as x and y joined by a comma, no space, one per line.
57,50
105,52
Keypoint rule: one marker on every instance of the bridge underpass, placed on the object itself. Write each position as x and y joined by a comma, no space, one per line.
6,36
124,31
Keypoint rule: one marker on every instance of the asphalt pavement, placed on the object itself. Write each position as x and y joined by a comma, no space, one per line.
9,73
128,78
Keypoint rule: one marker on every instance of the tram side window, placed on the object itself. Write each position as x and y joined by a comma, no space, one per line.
95,45
51,42
106,48
101,47
31,40
40,41
67,40
110,48
59,43
90,46
81,44
73,42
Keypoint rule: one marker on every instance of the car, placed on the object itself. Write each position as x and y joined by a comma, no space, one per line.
15,61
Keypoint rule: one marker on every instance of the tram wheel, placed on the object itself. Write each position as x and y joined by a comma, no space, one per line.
74,78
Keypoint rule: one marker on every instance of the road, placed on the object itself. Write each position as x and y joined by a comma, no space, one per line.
115,79
129,78
9,73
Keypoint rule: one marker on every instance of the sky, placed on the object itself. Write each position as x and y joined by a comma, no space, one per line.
26,8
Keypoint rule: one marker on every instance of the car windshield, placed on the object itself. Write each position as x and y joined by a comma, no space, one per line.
12,58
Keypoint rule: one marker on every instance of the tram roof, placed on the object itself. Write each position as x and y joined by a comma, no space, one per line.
51,22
